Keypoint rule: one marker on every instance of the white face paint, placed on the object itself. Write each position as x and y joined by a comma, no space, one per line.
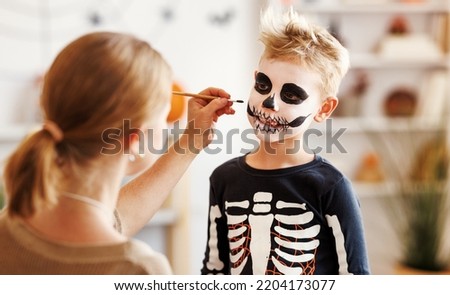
283,101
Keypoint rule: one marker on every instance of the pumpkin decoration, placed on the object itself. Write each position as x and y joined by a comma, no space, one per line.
400,102
370,169
177,106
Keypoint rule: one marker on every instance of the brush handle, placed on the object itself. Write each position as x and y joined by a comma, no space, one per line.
202,96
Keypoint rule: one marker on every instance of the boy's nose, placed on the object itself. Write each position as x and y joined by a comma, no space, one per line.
269,103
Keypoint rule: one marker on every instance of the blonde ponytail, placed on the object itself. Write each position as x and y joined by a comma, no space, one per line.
31,174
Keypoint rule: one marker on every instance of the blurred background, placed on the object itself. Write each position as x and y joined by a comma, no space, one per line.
391,126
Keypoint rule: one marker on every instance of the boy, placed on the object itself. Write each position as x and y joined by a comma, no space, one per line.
280,209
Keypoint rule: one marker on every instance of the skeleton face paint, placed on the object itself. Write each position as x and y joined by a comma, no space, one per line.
275,124
293,94
284,100
262,83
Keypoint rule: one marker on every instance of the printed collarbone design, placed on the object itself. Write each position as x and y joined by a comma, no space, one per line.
273,240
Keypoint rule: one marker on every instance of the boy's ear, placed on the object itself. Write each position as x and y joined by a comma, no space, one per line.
326,109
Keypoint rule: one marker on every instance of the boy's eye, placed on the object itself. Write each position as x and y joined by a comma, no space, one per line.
262,83
293,94
262,88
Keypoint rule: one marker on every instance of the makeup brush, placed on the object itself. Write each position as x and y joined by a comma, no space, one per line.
207,97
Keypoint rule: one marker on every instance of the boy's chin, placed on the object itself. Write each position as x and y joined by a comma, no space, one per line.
277,137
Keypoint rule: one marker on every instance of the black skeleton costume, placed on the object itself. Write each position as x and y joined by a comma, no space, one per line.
297,220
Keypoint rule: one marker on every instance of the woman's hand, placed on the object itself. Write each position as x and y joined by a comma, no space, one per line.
202,114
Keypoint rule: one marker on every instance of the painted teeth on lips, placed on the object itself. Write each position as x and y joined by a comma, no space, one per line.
271,127
269,121
266,123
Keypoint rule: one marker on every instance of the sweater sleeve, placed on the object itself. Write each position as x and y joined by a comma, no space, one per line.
344,217
216,259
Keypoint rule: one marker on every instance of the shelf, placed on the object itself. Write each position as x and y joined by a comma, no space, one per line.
372,61
393,8
384,189
163,217
380,124
413,124
374,190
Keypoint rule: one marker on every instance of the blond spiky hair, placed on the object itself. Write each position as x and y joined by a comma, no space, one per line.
289,36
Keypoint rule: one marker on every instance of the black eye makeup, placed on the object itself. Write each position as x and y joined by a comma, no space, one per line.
262,83
293,94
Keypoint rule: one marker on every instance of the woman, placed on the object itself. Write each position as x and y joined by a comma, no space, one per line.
64,214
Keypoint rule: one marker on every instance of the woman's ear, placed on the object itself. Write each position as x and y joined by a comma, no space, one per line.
138,155
133,144
326,109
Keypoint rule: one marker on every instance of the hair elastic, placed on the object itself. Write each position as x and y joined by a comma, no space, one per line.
54,130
